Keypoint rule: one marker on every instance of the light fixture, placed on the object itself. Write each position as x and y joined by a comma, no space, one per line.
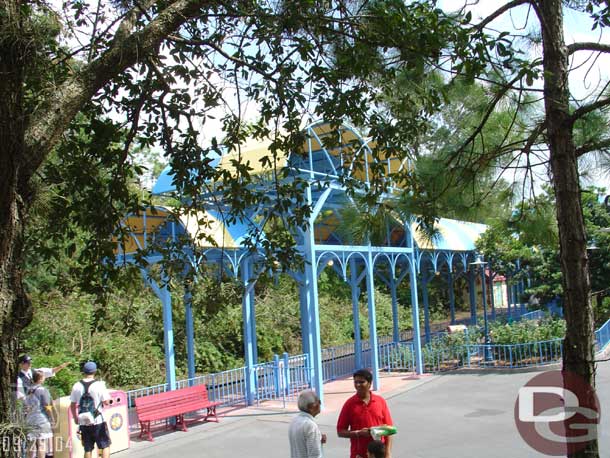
487,346
479,261
330,263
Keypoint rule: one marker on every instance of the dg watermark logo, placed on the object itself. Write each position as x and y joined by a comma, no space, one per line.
557,413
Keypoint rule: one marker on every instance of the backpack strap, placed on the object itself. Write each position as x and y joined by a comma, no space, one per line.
87,384
33,390
25,380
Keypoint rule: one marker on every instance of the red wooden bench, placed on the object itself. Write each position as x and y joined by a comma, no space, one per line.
174,404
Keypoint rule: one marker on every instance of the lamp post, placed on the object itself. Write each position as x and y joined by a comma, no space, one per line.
482,264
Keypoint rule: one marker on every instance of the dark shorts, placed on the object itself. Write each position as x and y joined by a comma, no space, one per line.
95,435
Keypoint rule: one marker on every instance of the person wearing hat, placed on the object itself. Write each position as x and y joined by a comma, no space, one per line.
24,376
93,427
39,418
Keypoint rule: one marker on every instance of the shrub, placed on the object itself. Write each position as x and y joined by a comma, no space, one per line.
527,331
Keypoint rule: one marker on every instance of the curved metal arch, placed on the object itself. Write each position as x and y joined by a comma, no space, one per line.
464,258
400,256
344,125
133,235
389,258
356,254
327,256
230,256
445,257
422,256
434,259
362,151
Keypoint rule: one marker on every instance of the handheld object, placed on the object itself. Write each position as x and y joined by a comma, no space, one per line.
382,430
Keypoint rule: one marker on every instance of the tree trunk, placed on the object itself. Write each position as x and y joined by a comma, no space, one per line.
15,307
579,344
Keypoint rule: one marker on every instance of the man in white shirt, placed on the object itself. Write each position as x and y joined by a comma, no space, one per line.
87,401
24,376
304,435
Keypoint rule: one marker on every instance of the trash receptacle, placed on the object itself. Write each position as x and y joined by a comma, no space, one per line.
67,443
117,417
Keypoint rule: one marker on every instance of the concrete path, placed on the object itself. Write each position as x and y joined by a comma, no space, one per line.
461,414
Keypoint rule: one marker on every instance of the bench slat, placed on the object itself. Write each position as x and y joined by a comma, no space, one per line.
173,404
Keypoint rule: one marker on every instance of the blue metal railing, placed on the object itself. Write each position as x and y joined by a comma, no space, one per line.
284,377
602,336
535,315
229,386
513,356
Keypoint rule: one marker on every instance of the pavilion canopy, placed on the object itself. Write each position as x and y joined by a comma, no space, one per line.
333,152
452,235
208,229
205,229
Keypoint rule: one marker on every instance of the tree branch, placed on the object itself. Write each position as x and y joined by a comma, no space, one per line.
222,52
490,109
582,111
500,11
591,46
592,146
54,116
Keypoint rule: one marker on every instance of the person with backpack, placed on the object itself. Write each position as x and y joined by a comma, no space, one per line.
25,374
38,410
87,401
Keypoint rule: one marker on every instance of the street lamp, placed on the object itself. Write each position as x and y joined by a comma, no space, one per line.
482,264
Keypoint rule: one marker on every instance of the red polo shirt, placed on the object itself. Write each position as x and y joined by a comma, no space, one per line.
355,415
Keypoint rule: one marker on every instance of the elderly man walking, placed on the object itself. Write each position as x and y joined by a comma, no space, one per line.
304,435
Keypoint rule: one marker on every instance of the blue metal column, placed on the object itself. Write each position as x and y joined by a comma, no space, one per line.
516,304
168,335
509,294
487,352
419,366
492,299
520,289
246,311
311,270
370,291
304,308
190,346
252,303
311,273
473,300
356,313
395,328
451,296
425,299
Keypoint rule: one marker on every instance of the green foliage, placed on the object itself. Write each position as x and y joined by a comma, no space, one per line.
453,183
64,329
531,237
82,191
526,331
601,310
125,361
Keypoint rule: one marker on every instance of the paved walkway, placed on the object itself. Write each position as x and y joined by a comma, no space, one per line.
461,414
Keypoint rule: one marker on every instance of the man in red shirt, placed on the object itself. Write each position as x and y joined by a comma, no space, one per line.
360,413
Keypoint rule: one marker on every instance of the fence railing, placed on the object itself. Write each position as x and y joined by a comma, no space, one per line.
602,336
535,315
284,377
